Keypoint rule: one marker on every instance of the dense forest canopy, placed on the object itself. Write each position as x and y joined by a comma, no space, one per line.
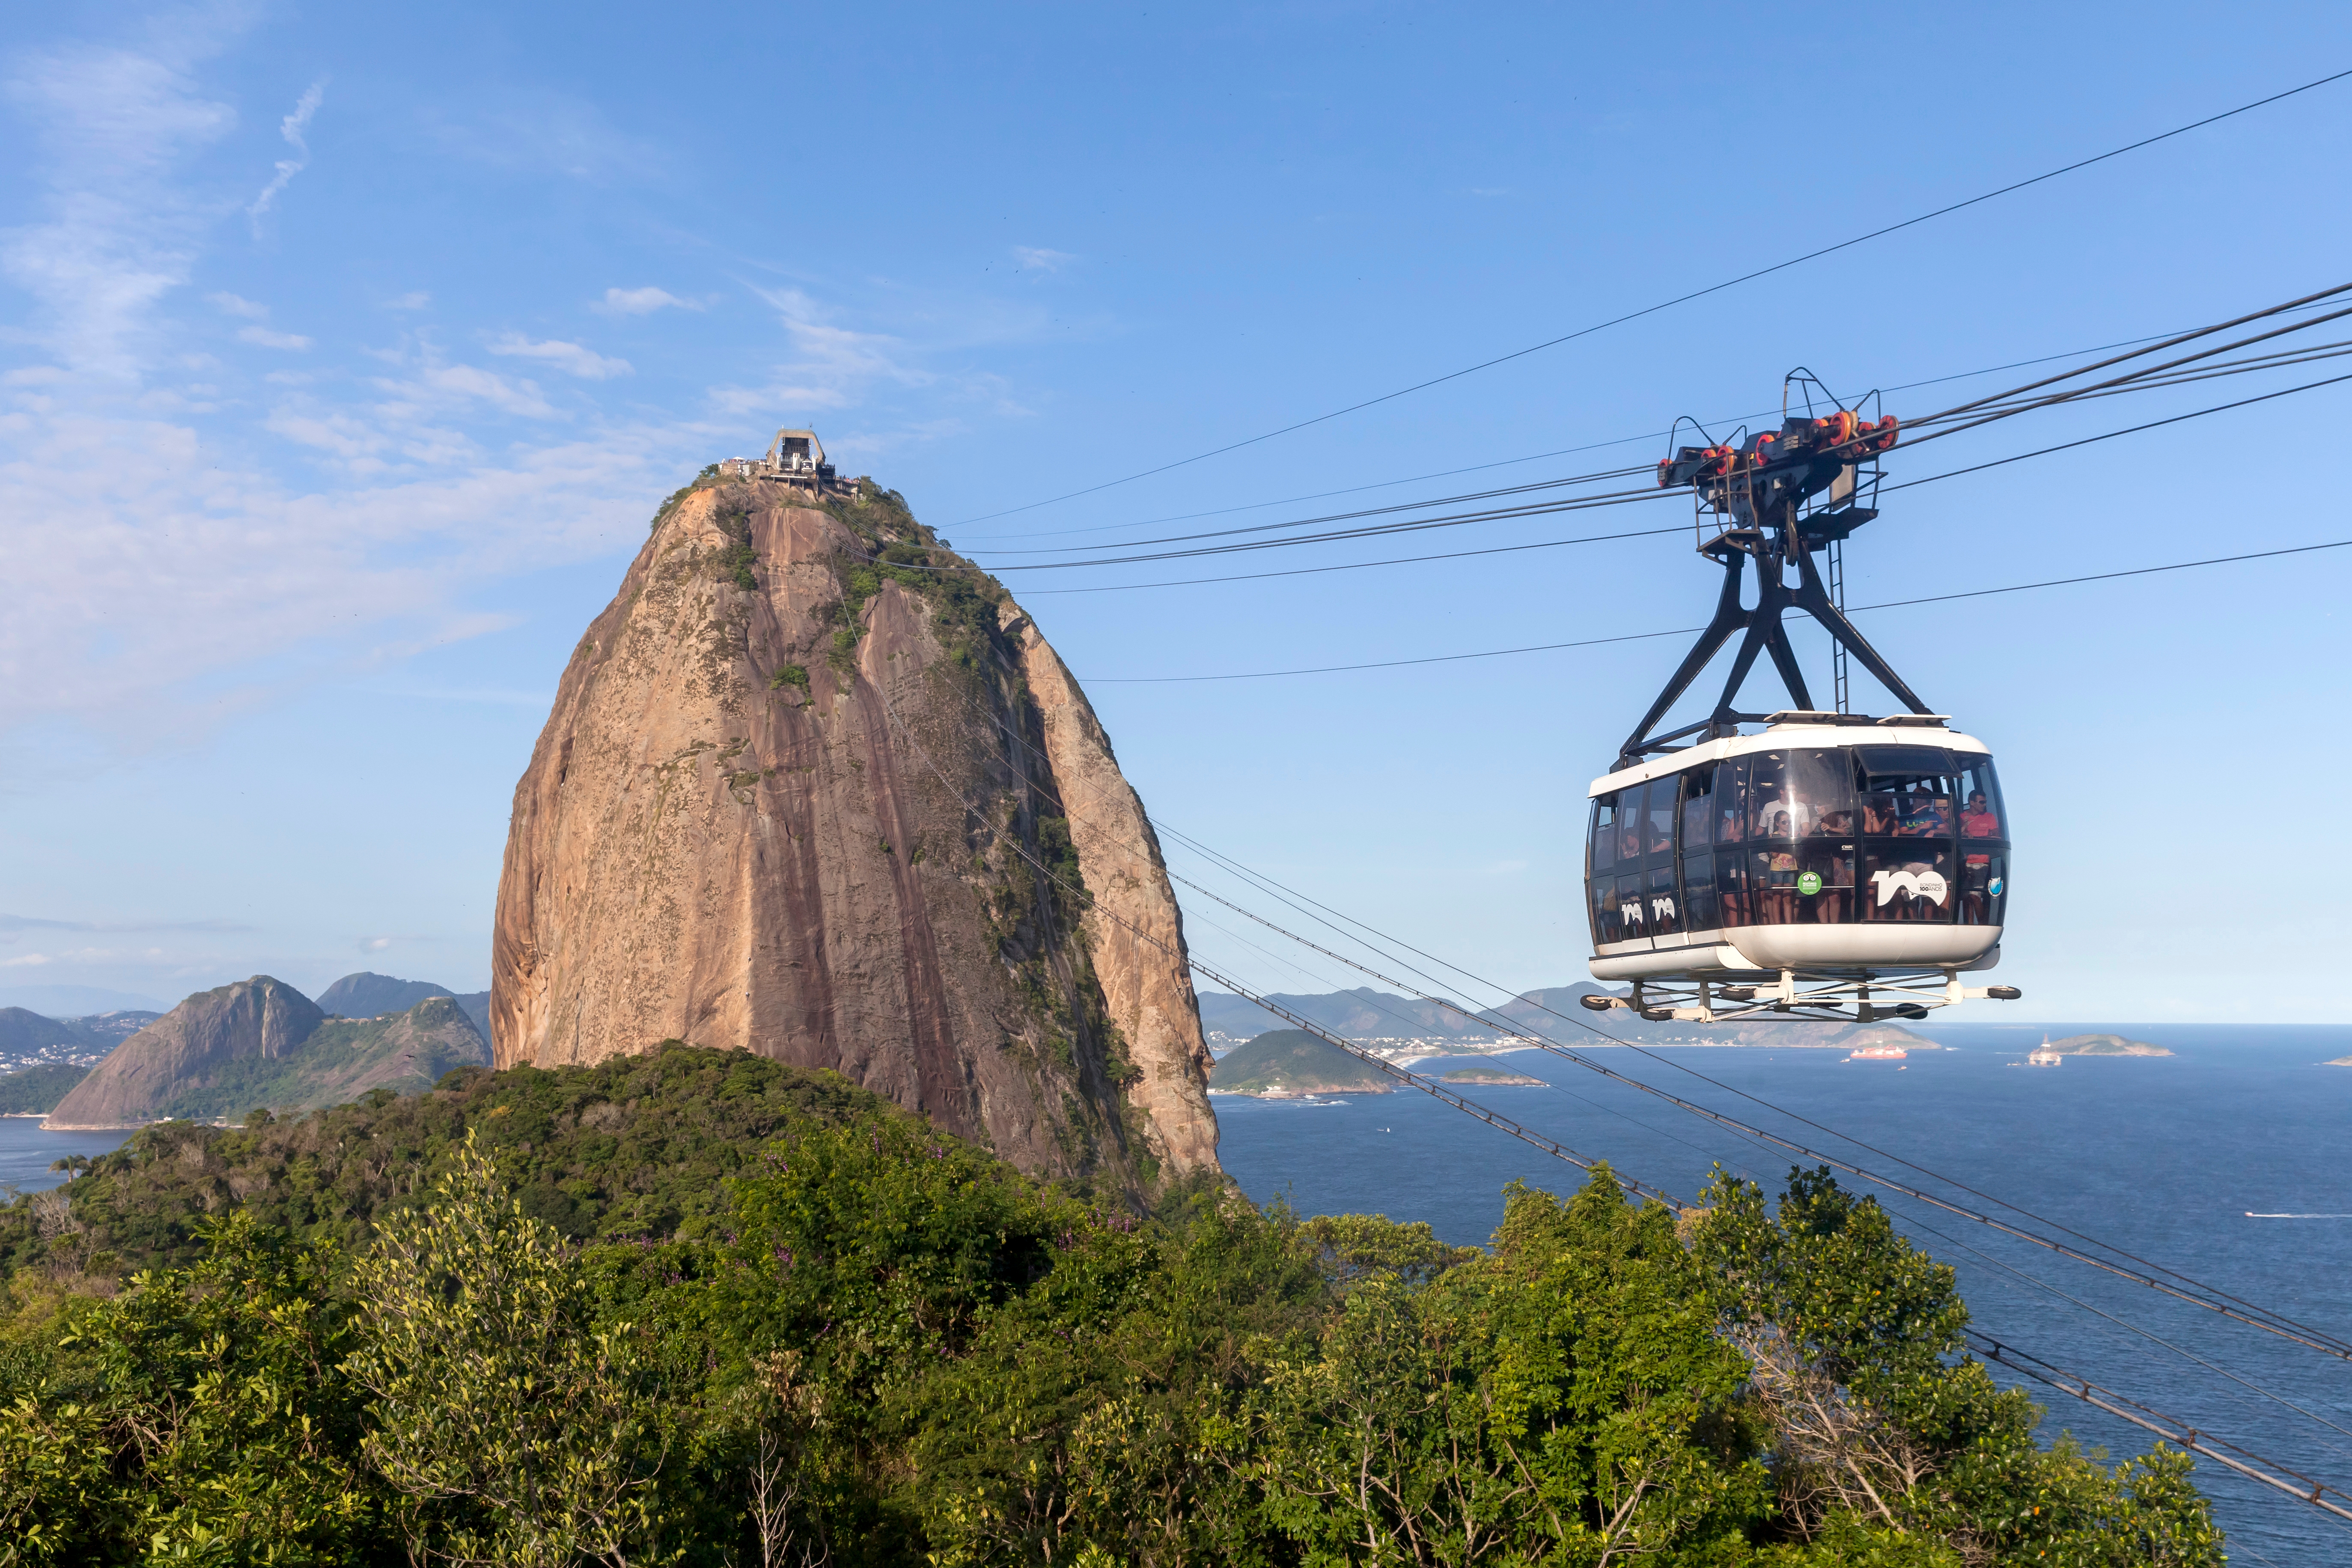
699,1308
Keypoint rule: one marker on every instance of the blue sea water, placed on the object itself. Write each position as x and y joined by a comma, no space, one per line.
2165,1157
26,1151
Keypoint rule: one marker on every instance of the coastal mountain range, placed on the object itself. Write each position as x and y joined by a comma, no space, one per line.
258,1044
1553,1012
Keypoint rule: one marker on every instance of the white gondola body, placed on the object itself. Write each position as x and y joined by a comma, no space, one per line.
1821,845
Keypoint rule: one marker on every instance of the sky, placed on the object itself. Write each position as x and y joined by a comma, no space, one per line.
346,351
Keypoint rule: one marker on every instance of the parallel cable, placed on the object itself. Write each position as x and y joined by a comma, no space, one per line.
2246,1463
2212,1298
1986,411
1963,417
1558,452
1597,539
2232,1456
1912,1222
1286,895
1678,299
1687,631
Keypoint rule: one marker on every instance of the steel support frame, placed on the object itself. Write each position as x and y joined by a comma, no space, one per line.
1766,635
1843,997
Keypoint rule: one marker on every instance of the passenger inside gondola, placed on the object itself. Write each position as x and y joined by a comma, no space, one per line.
1926,816
1779,818
1976,819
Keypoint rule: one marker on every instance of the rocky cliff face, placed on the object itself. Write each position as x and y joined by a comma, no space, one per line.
189,1046
792,799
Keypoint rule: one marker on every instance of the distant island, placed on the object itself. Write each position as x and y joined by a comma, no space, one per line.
1491,1078
2103,1046
1281,1063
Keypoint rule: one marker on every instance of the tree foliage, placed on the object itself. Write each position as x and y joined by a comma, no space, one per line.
825,1333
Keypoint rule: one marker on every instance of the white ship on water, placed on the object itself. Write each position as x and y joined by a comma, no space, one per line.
2044,1056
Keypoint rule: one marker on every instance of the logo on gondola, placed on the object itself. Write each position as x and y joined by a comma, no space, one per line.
1996,886
1809,883
1927,885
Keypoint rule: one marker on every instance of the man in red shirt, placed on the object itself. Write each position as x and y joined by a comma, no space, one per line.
1977,820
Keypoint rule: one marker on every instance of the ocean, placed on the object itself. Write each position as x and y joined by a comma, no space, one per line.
2165,1157
26,1153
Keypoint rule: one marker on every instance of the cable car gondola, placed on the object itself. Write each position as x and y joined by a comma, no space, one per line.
1827,864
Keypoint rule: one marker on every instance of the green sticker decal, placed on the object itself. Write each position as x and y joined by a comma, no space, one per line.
1809,883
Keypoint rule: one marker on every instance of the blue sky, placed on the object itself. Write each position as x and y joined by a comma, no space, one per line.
345,352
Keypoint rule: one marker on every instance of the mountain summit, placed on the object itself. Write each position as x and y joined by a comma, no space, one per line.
794,797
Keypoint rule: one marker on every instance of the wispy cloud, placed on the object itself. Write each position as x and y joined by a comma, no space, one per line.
117,232
832,366
641,302
264,338
231,305
33,922
1036,260
571,359
295,128
416,300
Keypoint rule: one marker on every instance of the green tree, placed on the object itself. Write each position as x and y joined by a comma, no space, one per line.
1883,1429
515,1430
1563,1400
201,1416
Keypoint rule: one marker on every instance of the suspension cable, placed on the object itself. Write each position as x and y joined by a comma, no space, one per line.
2246,1463
2190,1289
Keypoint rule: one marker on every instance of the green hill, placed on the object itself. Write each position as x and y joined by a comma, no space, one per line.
1293,1061
37,1088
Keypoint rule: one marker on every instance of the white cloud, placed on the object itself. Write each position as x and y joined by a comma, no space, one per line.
192,573
640,302
293,128
265,337
832,366
1037,259
416,300
572,358
117,233
230,305
23,960
376,944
